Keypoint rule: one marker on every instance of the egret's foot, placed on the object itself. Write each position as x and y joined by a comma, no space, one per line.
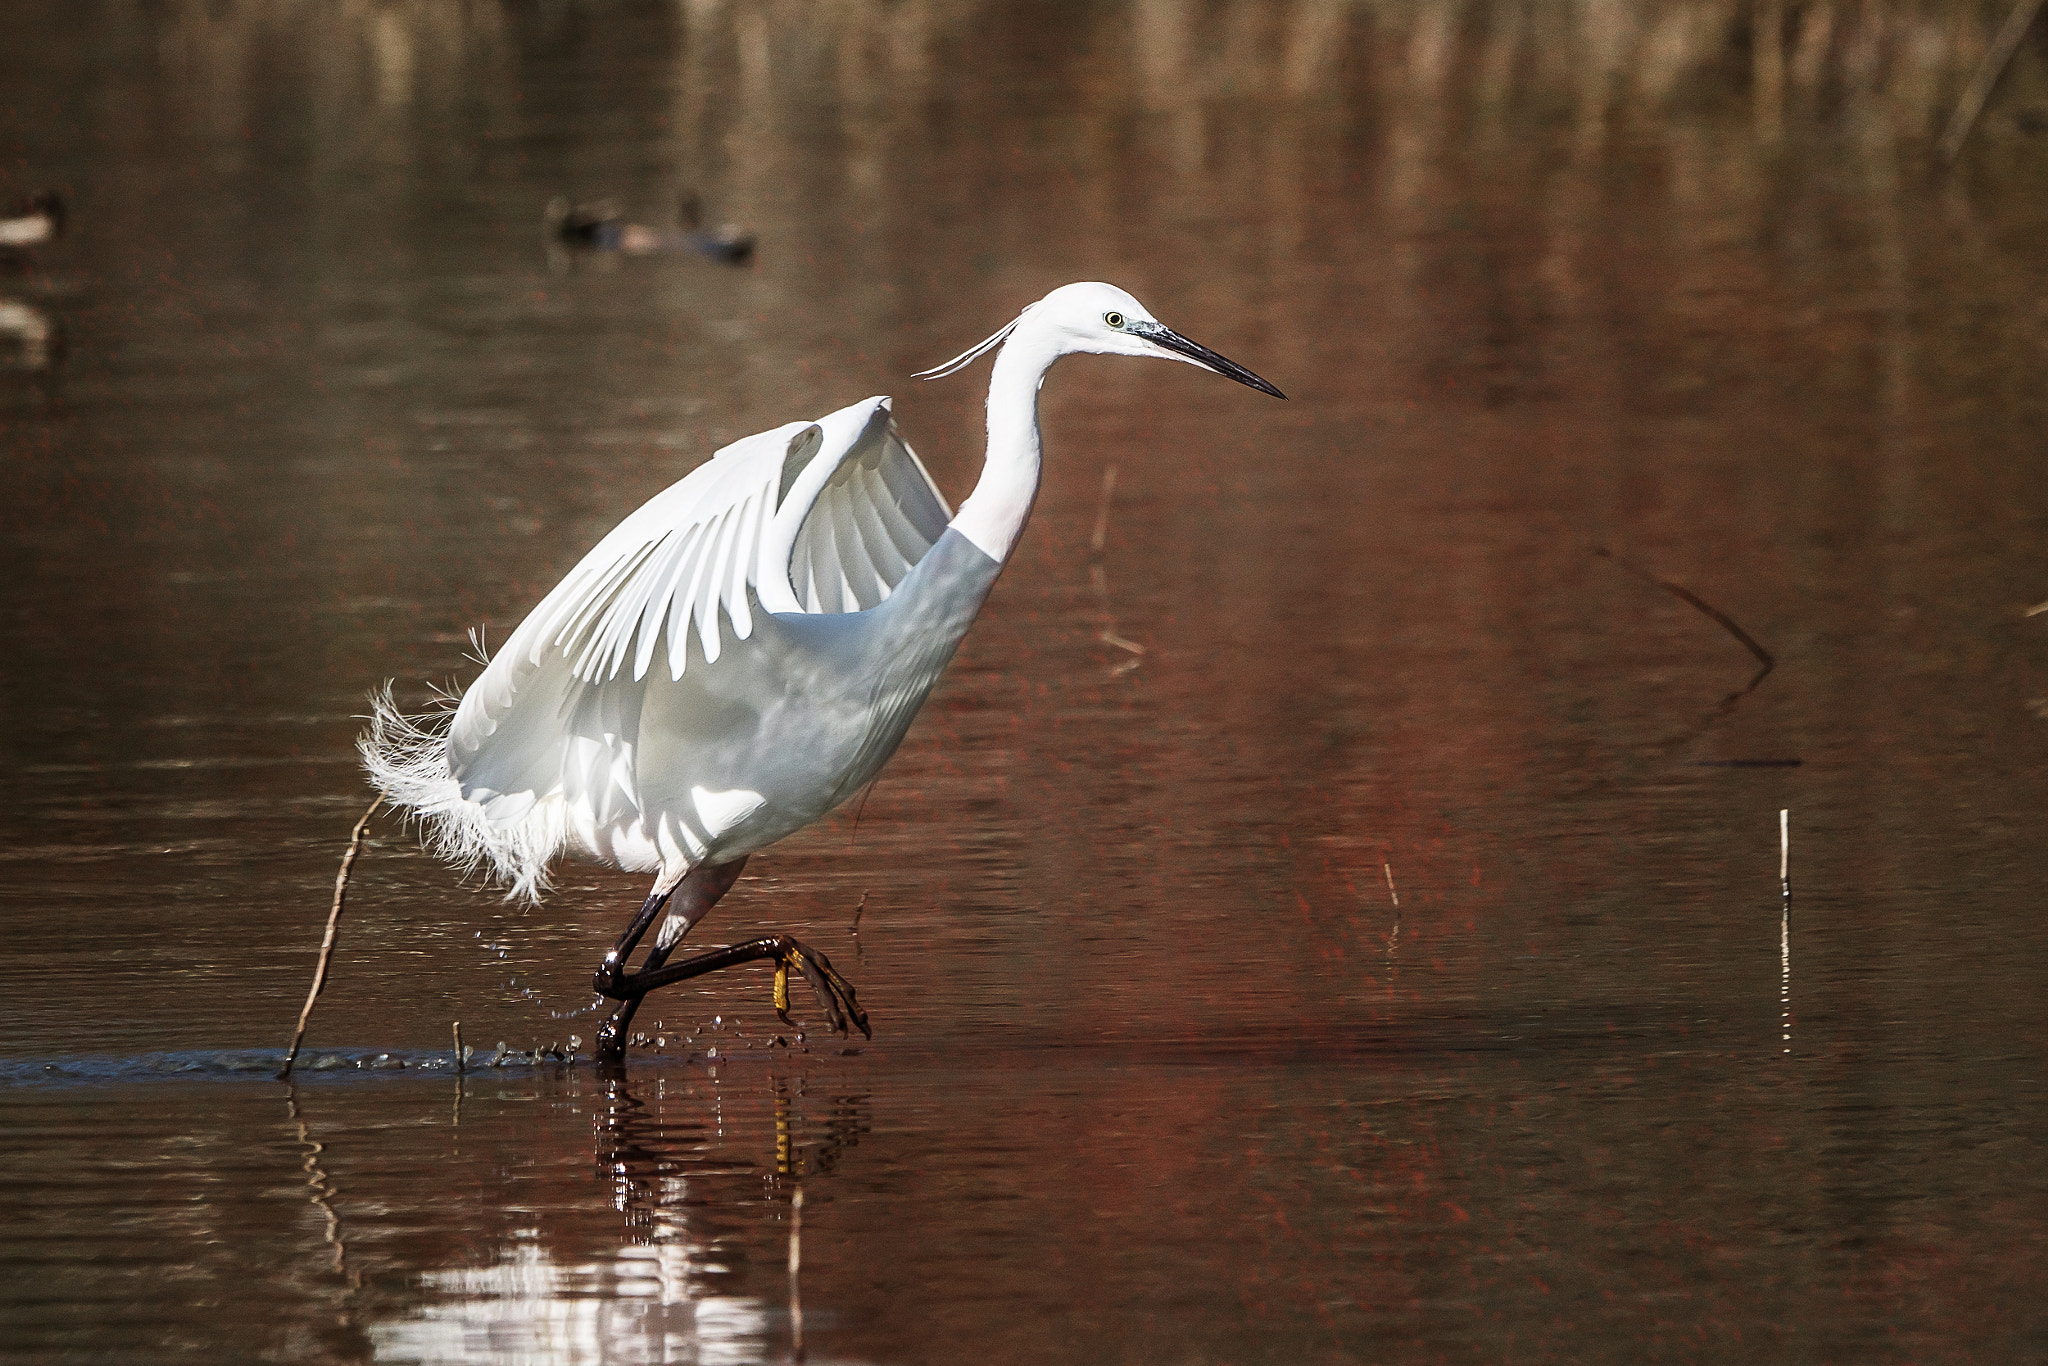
835,994
833,991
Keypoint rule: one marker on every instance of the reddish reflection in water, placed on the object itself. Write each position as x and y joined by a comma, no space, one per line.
1162,1072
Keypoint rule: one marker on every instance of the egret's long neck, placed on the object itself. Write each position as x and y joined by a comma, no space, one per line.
995,513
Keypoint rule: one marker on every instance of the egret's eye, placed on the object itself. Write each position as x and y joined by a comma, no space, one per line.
1113,319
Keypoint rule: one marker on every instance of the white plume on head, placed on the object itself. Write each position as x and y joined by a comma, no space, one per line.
974,352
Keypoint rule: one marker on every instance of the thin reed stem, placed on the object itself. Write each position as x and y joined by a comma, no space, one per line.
348,861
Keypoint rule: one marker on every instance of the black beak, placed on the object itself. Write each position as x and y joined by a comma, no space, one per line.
1160,335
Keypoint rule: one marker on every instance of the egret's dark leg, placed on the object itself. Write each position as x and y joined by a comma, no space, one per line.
613,970
693,898
696,894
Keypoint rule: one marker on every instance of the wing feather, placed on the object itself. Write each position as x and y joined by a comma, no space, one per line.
913,522
859,565
746,555
880,530
831,560
688,544
811,517
707,595
886,567
681,597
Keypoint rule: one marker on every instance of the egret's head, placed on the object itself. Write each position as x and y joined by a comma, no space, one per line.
1105,320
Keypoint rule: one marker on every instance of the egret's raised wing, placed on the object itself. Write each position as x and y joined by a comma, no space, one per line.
842,501
815,517
668,568
854,525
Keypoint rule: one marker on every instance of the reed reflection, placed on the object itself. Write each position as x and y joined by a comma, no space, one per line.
320,1190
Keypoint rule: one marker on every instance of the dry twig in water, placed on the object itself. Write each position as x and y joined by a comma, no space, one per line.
1726,623
1996,58
348,861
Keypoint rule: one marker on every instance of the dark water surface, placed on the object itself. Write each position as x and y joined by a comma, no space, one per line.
1162,1073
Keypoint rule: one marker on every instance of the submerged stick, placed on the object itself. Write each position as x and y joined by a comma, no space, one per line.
1996,58
1720,618
348,861
459,1068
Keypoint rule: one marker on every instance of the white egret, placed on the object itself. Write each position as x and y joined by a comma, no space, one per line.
741,655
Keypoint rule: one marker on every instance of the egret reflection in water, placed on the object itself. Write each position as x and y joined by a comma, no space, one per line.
676,1177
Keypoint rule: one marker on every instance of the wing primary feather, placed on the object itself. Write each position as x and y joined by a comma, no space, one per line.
585,597
854,560
839,591
587,632
707,602
814,602
678,626
893,513
933,508
824,556
876,544
623,621
654,616
686,606
744,552
896,524
693,603
912,491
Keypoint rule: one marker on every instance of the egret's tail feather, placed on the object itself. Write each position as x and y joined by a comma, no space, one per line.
407,758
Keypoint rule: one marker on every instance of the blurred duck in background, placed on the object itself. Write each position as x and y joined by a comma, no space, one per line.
30,339
39,220
599,226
